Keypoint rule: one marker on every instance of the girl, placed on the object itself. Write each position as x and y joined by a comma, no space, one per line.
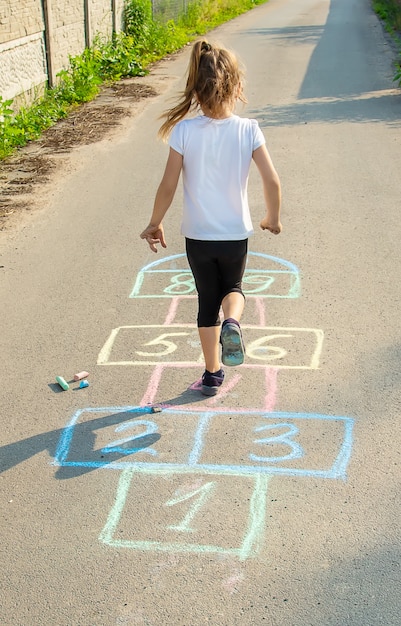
214,151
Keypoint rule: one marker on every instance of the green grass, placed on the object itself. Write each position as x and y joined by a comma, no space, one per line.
390,12
128,53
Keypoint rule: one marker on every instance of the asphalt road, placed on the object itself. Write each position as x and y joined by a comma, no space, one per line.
278,501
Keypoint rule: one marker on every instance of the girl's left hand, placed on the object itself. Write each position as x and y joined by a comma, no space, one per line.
154,235
274,228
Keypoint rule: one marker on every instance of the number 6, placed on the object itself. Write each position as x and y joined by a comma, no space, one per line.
271,353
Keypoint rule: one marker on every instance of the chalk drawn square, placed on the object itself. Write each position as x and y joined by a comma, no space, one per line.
239,390
265,277
152,344
187,513
178,345
225,442
119,437
283,347
293,444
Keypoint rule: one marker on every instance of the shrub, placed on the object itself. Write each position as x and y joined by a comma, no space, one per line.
145,39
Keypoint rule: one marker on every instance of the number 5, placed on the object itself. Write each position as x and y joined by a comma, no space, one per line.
170,346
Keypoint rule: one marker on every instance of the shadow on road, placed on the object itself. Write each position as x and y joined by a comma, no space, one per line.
346,79
294,35
374,109
362,589
84,434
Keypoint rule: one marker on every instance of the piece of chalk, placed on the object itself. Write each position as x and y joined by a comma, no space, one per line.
81,375
62,382
83,384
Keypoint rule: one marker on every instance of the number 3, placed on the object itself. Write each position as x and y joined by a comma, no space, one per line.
283,439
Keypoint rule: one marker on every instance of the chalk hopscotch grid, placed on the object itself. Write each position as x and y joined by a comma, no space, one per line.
259,474
250,544
336,471
313,363
291,271
292,293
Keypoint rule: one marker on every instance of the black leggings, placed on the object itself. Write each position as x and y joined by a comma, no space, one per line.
217,267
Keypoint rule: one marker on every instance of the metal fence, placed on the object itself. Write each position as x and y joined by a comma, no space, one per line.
165,10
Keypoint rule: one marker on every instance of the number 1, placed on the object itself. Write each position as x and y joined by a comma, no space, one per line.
202,494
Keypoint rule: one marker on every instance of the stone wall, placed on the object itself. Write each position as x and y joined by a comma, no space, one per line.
37,37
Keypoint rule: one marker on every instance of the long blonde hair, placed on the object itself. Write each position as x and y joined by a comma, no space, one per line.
214,79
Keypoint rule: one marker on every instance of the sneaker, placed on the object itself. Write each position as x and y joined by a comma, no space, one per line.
232,343
211,382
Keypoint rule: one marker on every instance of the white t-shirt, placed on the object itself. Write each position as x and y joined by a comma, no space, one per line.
217,155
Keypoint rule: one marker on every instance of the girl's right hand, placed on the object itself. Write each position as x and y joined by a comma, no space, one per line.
154,235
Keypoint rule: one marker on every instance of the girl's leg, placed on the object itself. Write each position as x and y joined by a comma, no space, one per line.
233,305
202,260
217,268
209,337
232,266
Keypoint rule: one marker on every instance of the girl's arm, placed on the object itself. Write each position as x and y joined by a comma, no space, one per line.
271,190
154,232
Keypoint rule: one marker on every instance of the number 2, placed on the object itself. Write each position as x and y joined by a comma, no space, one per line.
116,446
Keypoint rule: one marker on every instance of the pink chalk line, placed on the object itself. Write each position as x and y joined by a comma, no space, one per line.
153,386
271,375
225,390
172,311
260,310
